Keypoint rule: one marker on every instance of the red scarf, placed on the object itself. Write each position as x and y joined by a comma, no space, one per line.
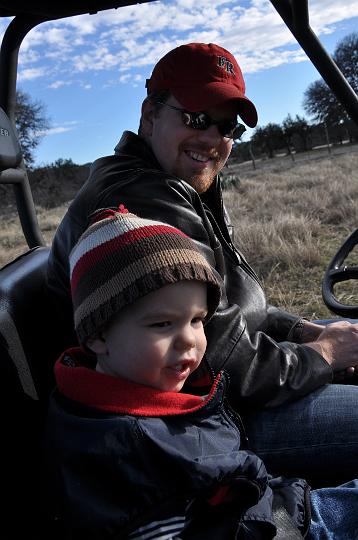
83,384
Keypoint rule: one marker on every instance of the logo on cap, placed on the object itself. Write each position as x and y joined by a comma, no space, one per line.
224,63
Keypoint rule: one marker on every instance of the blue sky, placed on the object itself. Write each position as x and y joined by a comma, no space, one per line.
89,71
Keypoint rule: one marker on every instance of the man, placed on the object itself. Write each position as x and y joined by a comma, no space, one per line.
170,172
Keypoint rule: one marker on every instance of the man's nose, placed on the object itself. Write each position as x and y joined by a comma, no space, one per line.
211,134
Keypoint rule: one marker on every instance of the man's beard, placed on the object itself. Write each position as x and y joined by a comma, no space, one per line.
201,183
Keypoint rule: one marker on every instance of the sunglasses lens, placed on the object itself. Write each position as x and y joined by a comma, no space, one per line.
226,128
238,131
200,121
186,117
231,129
195,120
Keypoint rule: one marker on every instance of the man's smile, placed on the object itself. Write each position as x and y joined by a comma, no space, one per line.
198,157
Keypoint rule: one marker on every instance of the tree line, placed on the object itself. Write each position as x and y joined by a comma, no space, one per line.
330,120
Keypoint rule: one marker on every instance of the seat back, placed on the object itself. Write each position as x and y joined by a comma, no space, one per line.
10,151
30,343
31,339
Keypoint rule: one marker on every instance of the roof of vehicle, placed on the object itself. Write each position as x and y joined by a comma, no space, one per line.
55,9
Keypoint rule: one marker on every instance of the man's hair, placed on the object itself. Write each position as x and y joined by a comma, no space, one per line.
155,98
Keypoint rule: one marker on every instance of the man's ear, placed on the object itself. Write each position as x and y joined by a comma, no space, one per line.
147,118
97,344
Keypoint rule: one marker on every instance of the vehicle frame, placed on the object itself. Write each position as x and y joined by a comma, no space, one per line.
25,322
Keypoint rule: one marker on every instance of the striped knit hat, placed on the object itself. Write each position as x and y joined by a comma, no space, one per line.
121,258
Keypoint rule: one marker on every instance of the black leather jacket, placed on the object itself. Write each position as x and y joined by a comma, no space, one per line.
246,337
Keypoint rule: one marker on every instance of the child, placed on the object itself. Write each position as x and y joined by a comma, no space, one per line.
129,454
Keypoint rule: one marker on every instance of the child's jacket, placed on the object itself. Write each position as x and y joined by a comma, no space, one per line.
128,461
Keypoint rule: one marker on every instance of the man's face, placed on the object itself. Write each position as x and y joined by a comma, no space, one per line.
193,155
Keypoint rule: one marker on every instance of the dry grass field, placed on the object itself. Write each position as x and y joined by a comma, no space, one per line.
289,217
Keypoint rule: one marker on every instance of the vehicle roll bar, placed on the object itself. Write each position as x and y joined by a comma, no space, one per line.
295,14
9,52
25,205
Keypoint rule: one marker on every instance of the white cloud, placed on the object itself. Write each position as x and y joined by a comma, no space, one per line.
30,56
124,78
31,73
58,84
84,25
3,24
53,131
128,39
98,59
324,12
68,126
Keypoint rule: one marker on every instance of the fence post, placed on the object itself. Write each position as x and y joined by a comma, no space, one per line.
252,157
327,137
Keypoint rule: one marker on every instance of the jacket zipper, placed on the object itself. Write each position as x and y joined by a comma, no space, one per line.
229,411
236,419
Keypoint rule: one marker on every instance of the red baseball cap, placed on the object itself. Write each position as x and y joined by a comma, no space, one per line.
201,76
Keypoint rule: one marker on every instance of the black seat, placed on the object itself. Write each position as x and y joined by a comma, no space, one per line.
10,151
30,342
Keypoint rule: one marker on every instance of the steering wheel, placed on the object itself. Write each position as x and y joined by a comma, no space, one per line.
338,272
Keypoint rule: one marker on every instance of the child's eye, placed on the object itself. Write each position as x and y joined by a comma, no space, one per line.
198,320
160,324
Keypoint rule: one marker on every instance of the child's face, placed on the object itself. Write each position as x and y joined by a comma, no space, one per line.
159,340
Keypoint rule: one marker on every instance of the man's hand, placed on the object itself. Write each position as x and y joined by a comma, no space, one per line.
311,331
338,344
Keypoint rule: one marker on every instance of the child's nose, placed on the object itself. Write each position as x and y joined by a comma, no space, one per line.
185,339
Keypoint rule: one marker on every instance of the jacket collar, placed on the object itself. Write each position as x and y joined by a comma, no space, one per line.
131,144
77,380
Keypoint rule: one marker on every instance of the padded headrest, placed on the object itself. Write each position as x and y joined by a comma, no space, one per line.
10,151
32,333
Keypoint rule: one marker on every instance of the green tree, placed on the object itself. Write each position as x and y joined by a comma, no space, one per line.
297,127
241,150
31,123
268,139
319,100
346,57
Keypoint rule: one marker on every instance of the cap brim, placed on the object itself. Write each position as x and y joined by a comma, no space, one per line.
201,98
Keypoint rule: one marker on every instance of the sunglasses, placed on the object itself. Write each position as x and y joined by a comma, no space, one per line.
200,120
